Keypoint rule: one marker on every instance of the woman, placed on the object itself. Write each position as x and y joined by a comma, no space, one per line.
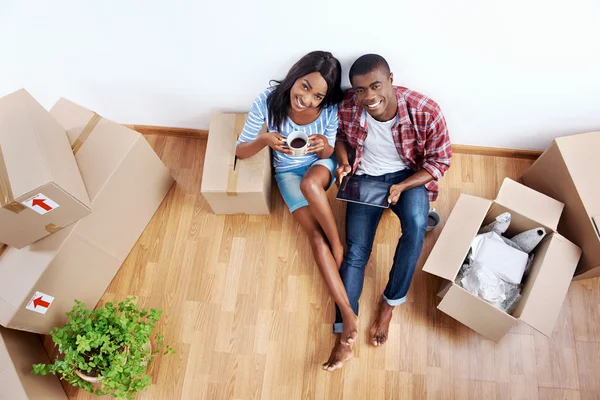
306,100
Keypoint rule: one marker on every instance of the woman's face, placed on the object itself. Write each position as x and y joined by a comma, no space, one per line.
308,92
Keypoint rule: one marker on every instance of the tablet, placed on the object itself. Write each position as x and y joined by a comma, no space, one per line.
364,191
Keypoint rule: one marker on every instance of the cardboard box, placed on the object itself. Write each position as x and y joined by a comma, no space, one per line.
126,182
18,352
545,287
230,185
41,190
568,172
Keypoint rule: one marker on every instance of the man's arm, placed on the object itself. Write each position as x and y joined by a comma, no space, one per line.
438,153
341,154
419,178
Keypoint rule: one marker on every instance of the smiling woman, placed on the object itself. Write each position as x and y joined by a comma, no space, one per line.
304,104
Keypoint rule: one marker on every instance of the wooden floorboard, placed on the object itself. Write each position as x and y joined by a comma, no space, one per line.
250,318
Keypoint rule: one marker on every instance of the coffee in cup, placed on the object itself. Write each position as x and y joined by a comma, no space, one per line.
297,141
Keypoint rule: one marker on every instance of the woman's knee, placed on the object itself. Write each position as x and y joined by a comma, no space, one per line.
310,186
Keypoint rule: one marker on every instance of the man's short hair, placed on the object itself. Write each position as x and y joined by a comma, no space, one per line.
367,63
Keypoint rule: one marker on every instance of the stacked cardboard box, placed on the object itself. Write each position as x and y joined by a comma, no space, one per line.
41,190
126,182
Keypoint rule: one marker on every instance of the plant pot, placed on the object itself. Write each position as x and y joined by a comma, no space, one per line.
96,380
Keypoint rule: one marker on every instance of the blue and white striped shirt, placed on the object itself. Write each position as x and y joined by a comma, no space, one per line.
326,124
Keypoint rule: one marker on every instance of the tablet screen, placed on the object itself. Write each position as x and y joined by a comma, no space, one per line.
364,191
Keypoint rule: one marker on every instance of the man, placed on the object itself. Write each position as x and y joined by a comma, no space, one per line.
391,134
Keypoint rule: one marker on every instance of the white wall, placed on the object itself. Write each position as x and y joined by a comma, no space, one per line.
507,73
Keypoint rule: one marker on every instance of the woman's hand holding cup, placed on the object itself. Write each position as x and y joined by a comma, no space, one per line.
277,142
317,143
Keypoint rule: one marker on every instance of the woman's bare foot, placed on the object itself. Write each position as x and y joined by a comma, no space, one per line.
379,329
350,332
339,355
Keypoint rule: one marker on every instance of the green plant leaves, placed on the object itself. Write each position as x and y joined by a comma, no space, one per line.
112,342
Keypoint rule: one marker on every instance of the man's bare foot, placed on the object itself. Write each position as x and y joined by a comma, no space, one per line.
339,355
350,332
379,329
338,254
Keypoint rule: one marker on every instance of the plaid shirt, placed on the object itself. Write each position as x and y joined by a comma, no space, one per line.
420,134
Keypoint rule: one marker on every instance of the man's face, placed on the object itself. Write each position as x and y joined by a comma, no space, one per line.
374,91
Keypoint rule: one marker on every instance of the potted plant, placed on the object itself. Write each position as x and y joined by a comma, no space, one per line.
107,350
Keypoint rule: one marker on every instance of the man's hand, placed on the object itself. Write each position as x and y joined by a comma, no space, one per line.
341,172
275,141
395,192
317,144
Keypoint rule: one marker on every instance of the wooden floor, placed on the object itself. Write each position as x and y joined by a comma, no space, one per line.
250,318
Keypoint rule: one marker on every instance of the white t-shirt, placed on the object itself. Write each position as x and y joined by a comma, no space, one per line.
380,155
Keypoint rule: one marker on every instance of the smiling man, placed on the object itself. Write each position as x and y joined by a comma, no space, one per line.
392,134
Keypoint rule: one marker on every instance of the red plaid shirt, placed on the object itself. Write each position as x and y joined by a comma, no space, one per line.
420,135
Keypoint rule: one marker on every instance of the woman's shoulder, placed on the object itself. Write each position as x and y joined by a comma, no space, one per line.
330,111
262,96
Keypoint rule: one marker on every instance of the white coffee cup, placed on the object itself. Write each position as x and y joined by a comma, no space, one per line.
295,138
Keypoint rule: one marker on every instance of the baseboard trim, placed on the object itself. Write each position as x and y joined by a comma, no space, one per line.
169,131
456,148
496,151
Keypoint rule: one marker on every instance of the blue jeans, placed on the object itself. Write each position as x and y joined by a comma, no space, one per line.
361,225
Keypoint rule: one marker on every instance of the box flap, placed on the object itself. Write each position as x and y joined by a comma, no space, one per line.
454,242
219,156
476,313
533,204
544,292
577,152
596,220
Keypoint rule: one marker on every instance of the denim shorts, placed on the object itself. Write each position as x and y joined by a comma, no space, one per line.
289,182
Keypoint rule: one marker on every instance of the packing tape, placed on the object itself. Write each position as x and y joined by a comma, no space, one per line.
85,133
52,228
7,200
232,178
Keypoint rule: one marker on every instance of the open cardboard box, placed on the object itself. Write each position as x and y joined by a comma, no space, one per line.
546,285
18,352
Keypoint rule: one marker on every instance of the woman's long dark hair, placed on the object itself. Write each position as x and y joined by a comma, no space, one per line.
323,62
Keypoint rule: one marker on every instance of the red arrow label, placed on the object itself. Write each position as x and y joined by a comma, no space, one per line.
41,203
40,302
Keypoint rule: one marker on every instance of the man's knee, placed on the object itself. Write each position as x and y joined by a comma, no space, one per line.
357,256
415,220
